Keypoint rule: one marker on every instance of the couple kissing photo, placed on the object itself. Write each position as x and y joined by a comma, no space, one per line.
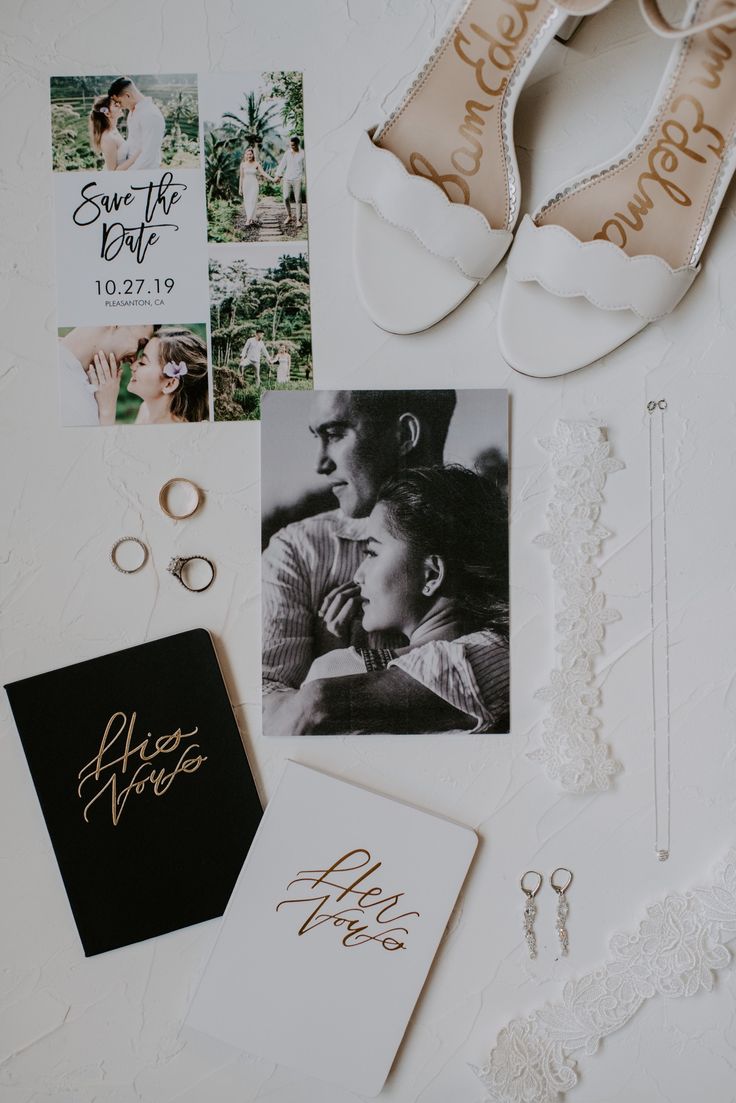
385,562
119,123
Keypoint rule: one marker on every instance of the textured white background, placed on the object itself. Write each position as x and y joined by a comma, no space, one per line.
105,1030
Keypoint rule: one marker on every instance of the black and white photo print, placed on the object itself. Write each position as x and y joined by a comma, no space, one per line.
385,562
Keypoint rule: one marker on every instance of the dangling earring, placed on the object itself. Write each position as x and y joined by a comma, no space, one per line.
530,910
562,908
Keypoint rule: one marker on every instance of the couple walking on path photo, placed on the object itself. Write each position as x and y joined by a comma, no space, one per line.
255,348
290,171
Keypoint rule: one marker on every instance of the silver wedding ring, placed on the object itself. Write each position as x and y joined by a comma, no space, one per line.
139,555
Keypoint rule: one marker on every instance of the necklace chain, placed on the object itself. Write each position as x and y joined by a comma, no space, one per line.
659,629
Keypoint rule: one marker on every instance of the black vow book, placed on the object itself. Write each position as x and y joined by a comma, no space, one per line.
144,784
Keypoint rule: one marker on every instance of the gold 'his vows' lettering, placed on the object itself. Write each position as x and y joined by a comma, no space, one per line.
121,767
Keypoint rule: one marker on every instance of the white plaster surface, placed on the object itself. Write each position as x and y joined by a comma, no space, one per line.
104,1030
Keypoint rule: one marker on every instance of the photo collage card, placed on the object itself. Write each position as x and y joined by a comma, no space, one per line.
181,245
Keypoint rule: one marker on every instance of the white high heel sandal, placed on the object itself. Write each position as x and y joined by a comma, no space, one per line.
618,247
437,186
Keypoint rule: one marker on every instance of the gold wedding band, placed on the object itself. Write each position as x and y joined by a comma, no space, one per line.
196,496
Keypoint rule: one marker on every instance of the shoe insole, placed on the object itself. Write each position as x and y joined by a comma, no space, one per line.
656,202
449,127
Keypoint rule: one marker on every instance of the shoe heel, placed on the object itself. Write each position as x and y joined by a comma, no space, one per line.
568,28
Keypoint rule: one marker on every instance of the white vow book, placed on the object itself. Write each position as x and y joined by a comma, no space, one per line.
331,929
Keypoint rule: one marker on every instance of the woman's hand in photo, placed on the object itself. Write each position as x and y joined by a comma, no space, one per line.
339,609
128,162
104,375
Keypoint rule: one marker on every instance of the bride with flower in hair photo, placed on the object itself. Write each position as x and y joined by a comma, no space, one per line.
140,375
119,123
105,138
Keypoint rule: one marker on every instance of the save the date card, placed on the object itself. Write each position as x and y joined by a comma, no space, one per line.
181,245
144,783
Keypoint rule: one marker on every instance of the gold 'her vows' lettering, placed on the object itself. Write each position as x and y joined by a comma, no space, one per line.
370,914
122,767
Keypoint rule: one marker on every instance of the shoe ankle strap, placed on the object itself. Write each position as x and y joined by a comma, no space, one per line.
653,17
582,7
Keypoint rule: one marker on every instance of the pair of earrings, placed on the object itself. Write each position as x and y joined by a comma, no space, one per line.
560,875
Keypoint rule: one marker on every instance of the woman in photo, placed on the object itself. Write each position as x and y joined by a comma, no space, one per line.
170,377
435,571
248,185
283,364
105,138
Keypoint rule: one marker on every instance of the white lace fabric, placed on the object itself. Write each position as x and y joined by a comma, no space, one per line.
571,752
678,948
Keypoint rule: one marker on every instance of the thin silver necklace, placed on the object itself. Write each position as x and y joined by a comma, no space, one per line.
660,628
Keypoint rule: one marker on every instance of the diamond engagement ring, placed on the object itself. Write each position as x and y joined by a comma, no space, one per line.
187,570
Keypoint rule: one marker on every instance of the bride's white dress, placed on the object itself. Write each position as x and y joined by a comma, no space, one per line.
283,367
122,146
250,190
122,154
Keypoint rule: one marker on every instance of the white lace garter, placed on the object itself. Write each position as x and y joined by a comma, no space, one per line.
678,947
571,752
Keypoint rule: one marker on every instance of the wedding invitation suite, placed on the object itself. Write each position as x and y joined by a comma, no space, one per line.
331,929
181,245
143,781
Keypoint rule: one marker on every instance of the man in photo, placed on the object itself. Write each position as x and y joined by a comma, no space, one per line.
250,357
77,351
146,125
291,171
311,601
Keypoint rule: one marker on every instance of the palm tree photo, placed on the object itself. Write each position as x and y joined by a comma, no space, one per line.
256,125
263,117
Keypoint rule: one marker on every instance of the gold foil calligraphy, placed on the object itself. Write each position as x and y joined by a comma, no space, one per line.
492,55
683,137
123,766
368,915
